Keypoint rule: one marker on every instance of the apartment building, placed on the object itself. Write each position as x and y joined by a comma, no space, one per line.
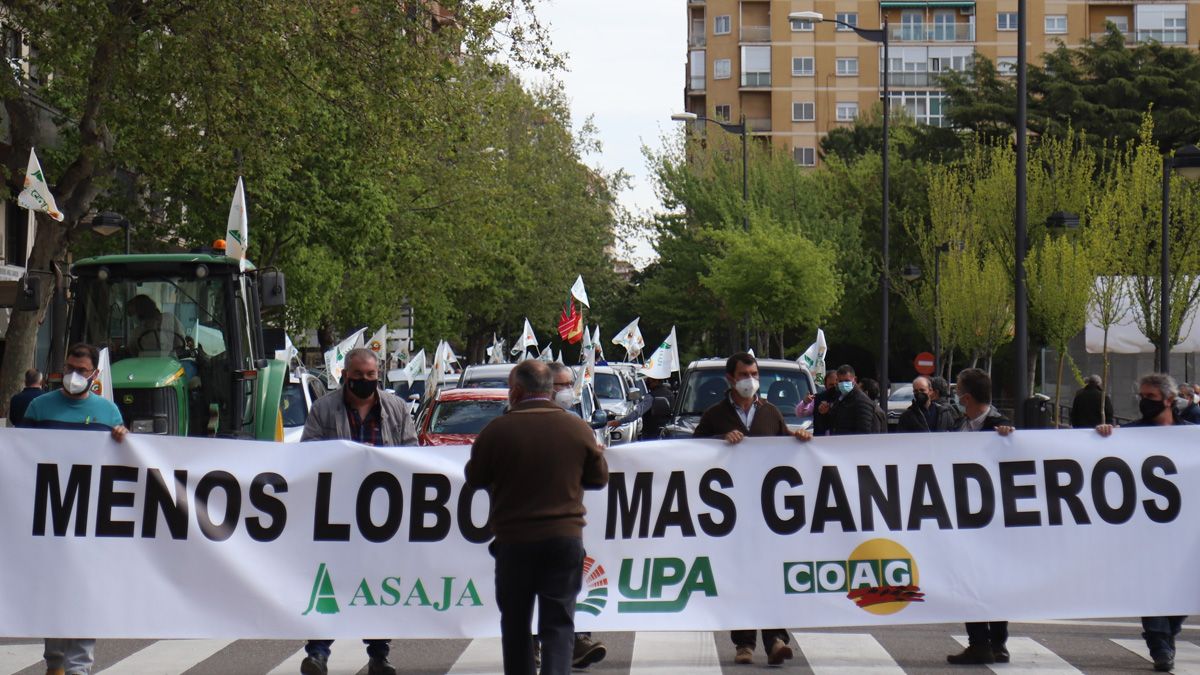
795,81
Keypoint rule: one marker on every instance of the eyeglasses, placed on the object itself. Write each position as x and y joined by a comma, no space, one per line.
77,369
563,385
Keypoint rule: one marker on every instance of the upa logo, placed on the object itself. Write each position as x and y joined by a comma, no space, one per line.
880,576
390,592
666,585
595,586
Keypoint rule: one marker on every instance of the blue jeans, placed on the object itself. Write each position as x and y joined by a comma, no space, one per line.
1159,633
376,649
74,655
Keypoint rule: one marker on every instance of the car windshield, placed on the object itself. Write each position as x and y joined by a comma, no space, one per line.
463,417
292,404
783,388
902,395
608,386
494,383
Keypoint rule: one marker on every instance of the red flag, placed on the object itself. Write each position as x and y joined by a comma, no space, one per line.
570,324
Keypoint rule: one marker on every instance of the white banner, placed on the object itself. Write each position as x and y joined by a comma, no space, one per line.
180,537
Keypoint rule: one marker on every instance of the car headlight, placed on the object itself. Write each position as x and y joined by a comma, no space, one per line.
142,426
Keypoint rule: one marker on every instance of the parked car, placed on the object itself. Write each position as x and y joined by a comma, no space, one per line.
299,393
898,402
618,394
456,416
488,375
782,383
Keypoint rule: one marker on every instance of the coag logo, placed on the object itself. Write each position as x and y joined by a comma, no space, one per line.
391,592
880,576
660,579
595,585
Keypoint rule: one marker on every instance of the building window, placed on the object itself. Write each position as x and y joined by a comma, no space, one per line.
696,70
756,66
1160,23
722,25
802,26
912,25
925,107
1120,22
1006,66
803,66
805,156
804,112
1006,21
847,17
721,112
847,67
722,69
847,112
1056,24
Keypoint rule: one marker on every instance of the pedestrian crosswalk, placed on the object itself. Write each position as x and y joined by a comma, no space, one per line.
888,651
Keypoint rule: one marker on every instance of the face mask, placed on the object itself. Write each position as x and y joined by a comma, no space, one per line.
565,398
1151,409
362,388
845,387
747,387
76,384
921,398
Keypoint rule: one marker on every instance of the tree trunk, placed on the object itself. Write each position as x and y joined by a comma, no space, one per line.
1058,391
1104,382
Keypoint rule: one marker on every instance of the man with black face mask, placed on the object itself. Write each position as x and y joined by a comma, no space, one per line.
365,413
925,414
1156,403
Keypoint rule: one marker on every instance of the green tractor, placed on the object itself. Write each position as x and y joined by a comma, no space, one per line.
186,341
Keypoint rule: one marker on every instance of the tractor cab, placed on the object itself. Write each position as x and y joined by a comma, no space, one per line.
185,340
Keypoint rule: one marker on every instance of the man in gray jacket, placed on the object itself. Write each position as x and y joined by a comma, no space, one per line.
363,412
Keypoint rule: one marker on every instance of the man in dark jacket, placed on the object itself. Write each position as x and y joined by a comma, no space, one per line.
1091,406
536,461
986,640
18,404
823,405
924,414
853,413
1187,410
740,414
1156,403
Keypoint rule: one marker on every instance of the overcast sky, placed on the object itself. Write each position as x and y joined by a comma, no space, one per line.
625,61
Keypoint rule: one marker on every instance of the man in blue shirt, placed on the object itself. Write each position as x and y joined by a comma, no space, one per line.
75,407
32,390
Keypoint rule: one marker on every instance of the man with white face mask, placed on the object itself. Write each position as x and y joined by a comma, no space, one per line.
75,407
742,413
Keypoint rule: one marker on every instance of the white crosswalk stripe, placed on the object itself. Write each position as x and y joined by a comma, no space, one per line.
167,656
482,657
344,659
838,653
691,652
14,658
1187,655
1029,656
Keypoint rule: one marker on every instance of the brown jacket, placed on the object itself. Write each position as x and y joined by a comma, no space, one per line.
721,418
537,460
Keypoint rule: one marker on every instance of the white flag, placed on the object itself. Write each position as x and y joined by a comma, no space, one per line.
630,338
102,385
597,344
378,342
665,359
813,358
588,372
580,292
36,195
237,232
288,352
526,340
559,358
335,359
495,353
415,369
547,354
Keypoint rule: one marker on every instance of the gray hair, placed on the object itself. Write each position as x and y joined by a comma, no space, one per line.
556,368
1093,379
1164,383
361,353
533,377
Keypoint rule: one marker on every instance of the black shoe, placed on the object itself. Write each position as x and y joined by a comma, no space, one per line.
1164,664
587,651
380,666
314,664
972,655
1000,653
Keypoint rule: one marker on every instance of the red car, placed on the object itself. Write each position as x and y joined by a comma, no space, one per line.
457,416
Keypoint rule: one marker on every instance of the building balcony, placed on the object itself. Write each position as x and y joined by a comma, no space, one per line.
761,79
1174,36
909,79
758,124
755,34
953,32
695,85
695,3
697,40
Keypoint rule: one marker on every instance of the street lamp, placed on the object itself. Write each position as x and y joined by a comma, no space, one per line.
740,130
879,35
1186,163
109,223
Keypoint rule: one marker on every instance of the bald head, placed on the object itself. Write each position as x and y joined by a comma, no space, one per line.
530,379
923,390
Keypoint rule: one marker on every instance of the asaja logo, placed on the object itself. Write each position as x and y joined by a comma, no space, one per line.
660,579
880,576
390,592
595,585
375,346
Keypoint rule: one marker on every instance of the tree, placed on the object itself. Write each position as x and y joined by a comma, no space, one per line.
1060,286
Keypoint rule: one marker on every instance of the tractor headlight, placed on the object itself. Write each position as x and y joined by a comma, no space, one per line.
145,426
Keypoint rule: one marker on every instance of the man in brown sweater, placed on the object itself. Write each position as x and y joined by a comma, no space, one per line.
740,414
536,461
